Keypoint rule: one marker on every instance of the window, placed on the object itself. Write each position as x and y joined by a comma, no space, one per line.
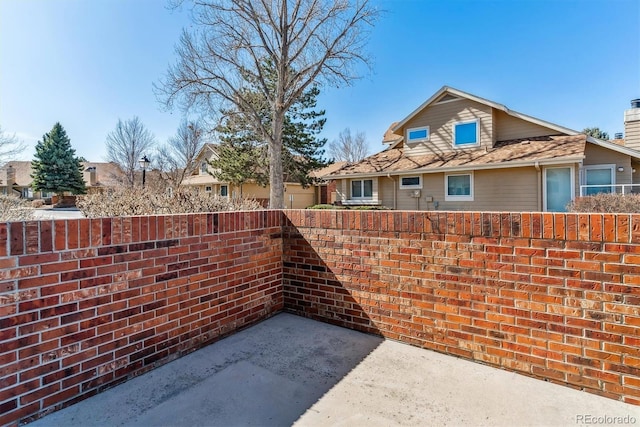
362,189
224,190
417,134
203,168
465,133
558,188
207,189
599,179
410,182
458,187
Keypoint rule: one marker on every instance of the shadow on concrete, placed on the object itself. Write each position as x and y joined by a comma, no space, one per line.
266,375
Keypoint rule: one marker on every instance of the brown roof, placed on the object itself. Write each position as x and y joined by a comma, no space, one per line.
390,137
514,152
107,174
22,170
327,170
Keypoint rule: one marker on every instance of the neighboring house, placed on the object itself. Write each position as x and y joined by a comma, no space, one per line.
326,188
296,196
458,151
15,178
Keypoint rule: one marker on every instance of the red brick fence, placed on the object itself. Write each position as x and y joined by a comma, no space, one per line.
86,304
556,296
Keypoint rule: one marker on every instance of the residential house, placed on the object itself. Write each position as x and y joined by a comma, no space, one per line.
296,196
326,188
458,151
15,178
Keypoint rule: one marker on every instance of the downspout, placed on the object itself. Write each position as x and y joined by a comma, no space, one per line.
540,186
395,192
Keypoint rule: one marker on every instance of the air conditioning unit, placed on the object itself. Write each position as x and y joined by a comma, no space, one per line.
415,194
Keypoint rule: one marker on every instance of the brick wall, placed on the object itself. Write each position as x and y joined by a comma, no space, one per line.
86,304
556,296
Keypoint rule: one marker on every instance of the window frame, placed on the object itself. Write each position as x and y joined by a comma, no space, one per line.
411,187
418,140
459,198
466,144
208,189
204,167
585,172
363,196
227,190
572,184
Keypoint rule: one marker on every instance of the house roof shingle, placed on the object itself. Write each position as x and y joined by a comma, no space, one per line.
517,152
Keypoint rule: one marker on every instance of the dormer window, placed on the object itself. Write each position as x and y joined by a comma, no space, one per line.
415,135
204,168
466,134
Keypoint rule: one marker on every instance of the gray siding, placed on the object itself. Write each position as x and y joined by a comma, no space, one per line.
441,117
509,127
515,189
595,155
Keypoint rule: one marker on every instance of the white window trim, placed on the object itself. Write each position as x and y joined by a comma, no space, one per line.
362,180
544,184
585,168
454,198
477,122
410,187
415,141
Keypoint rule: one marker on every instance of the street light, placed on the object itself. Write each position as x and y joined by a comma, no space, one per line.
144,164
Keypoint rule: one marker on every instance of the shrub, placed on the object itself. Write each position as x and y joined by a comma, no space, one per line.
358,208
325,206
37,203
144,201
14,209
370,208
605,202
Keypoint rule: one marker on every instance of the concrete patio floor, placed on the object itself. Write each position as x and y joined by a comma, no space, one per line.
291,370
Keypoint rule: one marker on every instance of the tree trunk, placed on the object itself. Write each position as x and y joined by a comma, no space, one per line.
276,176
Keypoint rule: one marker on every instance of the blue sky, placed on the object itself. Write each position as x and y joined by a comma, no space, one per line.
86,63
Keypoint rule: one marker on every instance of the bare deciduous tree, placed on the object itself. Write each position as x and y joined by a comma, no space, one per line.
10,146
348,148
126,144
307,41
176,158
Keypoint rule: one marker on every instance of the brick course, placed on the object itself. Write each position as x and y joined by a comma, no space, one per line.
550,295
86,304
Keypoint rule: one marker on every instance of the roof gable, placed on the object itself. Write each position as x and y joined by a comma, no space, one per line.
447,94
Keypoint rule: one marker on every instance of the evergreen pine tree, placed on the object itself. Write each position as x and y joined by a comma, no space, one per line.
242,154
56,167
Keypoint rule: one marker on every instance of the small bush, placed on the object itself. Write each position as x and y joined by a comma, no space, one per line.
144,201
606,203
37,203
370,208
14,209
357,208
325,206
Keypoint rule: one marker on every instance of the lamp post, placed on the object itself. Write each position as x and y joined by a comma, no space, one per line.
144,163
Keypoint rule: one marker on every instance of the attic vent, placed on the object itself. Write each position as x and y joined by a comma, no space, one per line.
447,98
